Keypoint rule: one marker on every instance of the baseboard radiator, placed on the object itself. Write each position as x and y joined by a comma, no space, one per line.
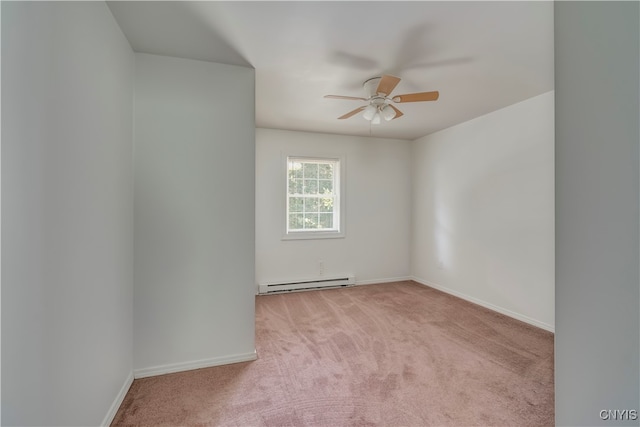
306,285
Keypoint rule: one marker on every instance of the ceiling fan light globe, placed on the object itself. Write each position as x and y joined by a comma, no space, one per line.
369,112
388,113
376,119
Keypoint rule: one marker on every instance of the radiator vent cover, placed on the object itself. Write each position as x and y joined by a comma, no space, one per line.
306,285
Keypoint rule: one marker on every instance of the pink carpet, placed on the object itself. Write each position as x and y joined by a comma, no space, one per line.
395,354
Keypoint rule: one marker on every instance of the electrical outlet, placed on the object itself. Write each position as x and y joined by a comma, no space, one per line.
321,267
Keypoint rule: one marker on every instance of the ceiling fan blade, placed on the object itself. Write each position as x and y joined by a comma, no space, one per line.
352,113
387,84
398,112
355,98
417,97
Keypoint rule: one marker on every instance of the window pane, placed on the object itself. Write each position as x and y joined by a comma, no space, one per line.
326,171
310,186
325,186
296,204
310,220
310,204
310,170
326,220
296,221
295,186
295,170
326,205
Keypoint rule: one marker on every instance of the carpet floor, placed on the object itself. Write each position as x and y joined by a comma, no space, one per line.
394,354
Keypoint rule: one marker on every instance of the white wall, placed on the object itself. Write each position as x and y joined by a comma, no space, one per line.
483,210
376,245
67,213
194,214
597,210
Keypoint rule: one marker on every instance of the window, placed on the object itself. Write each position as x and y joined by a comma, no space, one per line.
313,198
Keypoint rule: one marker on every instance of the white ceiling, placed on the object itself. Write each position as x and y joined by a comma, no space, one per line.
481,56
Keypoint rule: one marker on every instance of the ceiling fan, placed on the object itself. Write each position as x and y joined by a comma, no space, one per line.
378,91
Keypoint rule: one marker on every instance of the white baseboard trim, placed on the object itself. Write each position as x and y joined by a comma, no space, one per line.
387,280
485,304
196,364
118,401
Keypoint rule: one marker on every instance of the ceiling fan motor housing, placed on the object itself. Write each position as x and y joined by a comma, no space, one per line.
370,86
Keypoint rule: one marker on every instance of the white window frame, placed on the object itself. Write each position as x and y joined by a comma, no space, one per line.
339,188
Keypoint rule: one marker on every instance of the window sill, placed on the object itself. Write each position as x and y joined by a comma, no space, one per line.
303,235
